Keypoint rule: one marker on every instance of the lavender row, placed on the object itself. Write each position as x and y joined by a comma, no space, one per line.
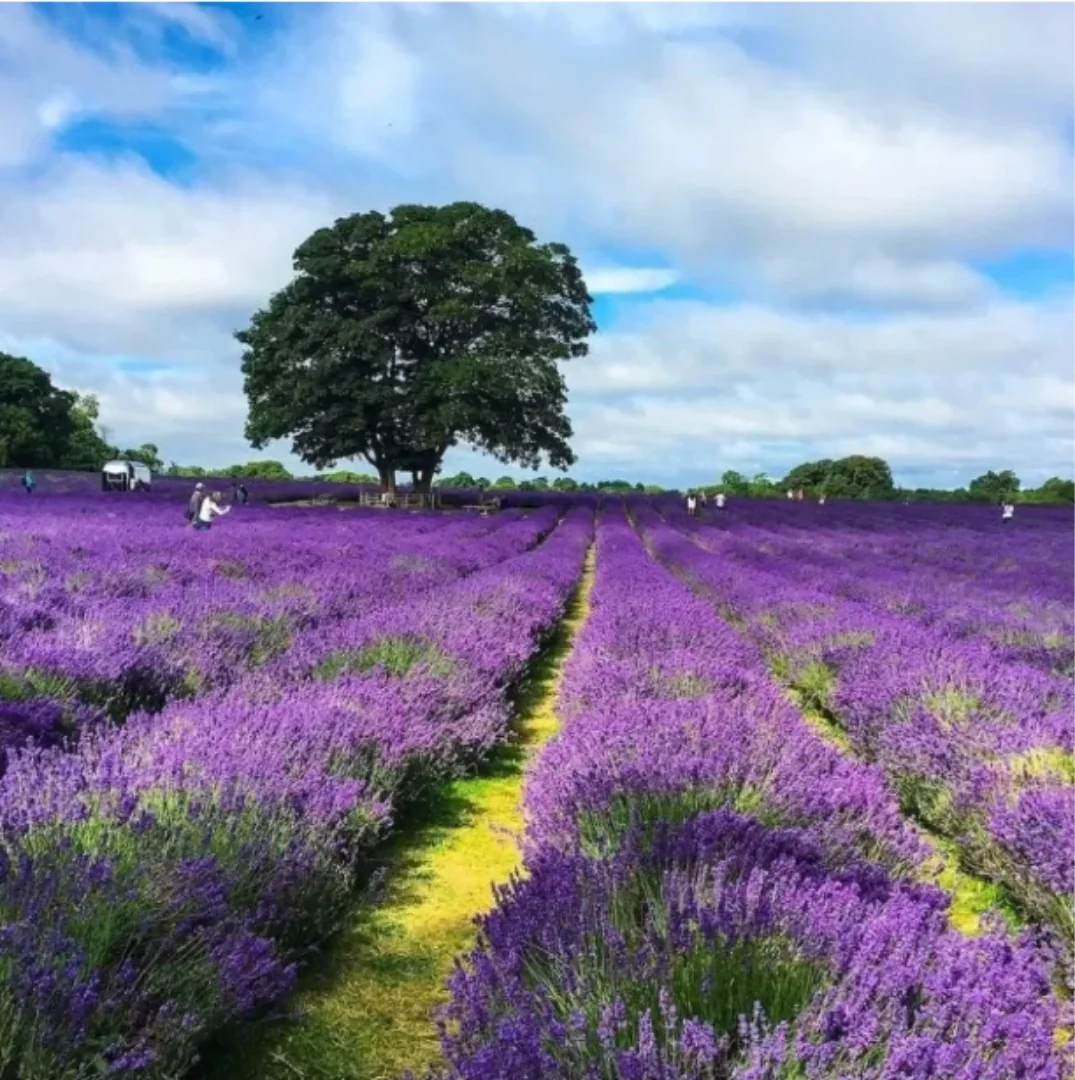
120,622
977,747
1011,588
167,877
711,891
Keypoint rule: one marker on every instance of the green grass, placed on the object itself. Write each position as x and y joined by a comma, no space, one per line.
397,656
366,1010
972,897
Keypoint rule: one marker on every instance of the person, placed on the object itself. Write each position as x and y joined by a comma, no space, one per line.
719,500
791,494
692,505
243,494
195,502
235,491
29,483
821,500
1007,511
208,509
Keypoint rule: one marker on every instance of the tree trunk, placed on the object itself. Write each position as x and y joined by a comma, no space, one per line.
387,475
423,481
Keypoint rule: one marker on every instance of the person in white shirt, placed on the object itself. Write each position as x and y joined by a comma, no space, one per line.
692,505
1007,511
210,507
821,500
719,500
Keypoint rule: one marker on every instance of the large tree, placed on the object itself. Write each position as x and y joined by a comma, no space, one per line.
35,416
404,334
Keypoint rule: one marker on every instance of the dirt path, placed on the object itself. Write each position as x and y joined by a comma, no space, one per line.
367,1012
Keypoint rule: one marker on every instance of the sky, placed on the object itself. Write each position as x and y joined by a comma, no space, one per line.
810,230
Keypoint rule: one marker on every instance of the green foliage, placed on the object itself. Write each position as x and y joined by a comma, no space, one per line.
459,482
734,483
854,477
258,470
810,476
345,476
565,483
504,483
395,656
1056,490
86,449
35,416
993,486
147,454
710,977
404,334
761,486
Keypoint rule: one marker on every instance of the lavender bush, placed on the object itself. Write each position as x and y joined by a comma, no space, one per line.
162,876
712,890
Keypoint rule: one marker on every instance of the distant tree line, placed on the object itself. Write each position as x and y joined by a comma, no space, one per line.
859,477
45,427
252,470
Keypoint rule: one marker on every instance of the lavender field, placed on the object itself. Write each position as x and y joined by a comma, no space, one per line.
794,739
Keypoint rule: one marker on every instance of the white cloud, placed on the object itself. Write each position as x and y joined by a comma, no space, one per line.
203,23
699,148
693,387
625,279
810,159
45,80
114,259
878,281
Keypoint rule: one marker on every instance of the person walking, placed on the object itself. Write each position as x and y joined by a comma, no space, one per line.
720,500
29,483
208,509
194,505
243,494
1007,511
692,505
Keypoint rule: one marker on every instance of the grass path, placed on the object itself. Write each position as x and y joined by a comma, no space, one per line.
366,1012
971,897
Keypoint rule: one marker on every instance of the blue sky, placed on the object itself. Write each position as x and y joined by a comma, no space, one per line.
810,230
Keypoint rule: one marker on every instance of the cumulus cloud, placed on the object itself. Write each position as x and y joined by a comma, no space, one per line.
116,259
745,387
839,171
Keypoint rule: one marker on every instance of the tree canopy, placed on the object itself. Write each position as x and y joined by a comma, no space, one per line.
35,416
854,477
994,486
86,447
404,334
